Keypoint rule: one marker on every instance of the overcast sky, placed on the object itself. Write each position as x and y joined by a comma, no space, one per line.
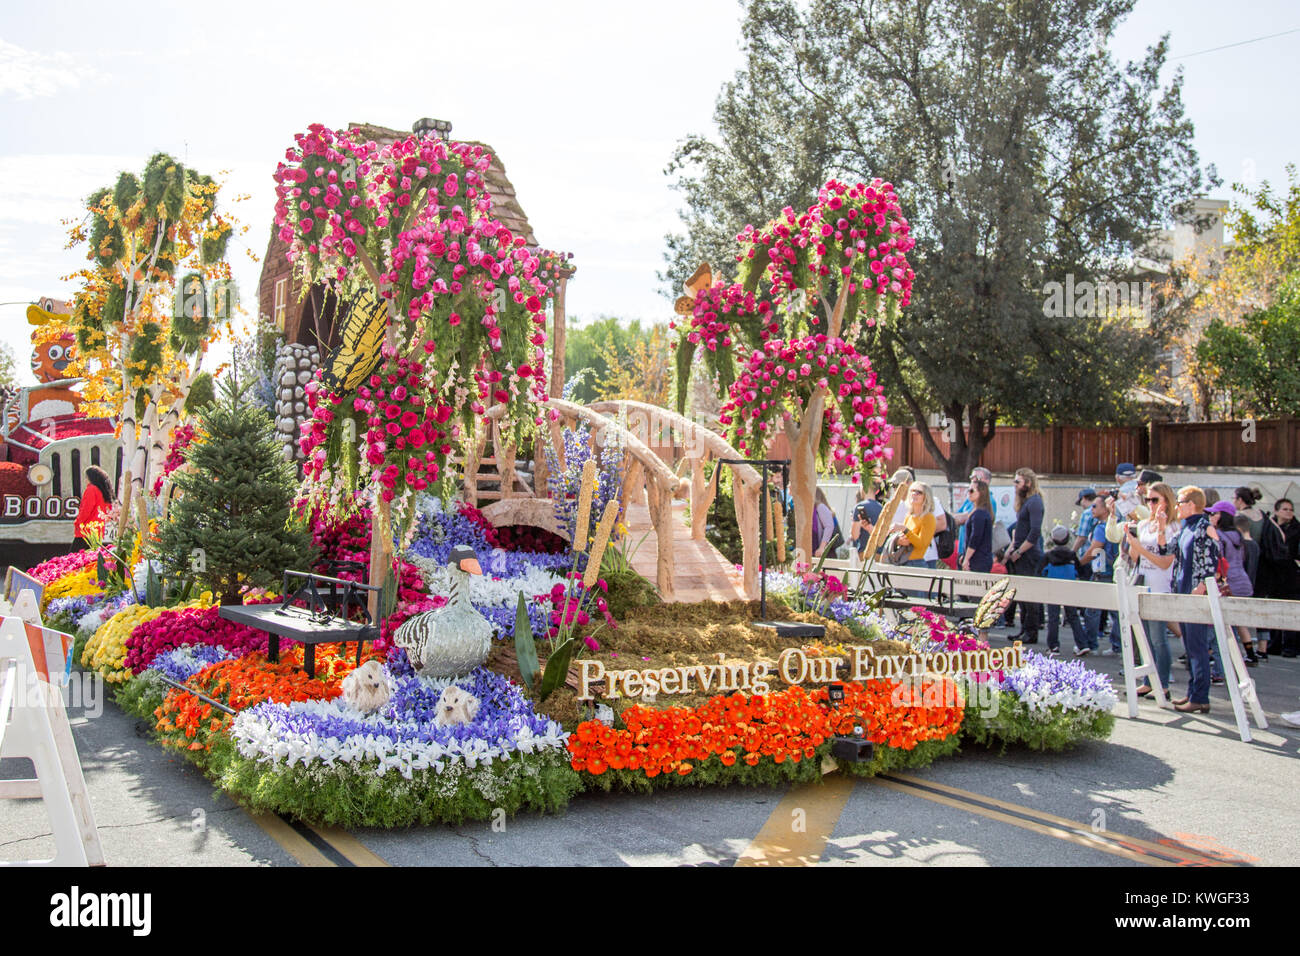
583,101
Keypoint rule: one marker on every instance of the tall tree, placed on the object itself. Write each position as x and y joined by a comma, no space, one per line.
1221,288
1256,359
1024,155
145,314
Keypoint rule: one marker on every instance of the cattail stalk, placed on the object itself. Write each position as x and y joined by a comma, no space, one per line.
780,535
585,493
603,531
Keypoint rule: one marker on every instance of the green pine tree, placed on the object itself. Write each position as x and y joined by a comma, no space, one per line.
230,525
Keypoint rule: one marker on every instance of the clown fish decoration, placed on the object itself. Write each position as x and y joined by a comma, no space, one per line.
364,320
702,279
50,359
51,356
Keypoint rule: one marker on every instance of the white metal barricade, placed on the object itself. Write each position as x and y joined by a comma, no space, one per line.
34,725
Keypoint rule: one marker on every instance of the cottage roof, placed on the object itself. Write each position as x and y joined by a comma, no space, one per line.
505,203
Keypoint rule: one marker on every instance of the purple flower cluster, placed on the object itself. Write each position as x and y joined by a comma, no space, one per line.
1045,681
565,483
73,607
842,609
502,619
182,663
438,530
408,717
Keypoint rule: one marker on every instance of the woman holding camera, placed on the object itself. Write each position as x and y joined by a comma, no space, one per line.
1197,557
1152,543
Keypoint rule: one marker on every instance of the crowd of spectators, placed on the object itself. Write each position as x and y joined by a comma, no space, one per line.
1171,540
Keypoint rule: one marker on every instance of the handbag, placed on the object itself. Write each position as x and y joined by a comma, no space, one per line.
898,550
1221,577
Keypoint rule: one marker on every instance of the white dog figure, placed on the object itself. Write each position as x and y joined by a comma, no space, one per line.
456,706
366,688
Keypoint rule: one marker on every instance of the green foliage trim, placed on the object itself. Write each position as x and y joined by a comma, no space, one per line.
1015,723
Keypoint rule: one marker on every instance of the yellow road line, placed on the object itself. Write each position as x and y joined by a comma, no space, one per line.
293,842
1138,844
797,831
1090,840
356,852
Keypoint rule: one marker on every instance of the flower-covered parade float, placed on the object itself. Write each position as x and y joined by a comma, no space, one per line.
509,667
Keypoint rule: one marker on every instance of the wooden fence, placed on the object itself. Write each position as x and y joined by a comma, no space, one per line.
1266,443
1067,450
1059,450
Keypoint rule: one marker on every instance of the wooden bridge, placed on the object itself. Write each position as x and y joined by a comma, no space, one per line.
677,557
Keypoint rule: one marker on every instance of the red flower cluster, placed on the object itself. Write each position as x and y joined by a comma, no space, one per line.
49,571
523,537
856,230
191,625
782,376
718,308
568,607
182,438
788,725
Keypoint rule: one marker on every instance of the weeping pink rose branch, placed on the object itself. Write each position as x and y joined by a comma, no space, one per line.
465,302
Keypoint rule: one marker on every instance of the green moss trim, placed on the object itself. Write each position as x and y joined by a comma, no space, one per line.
1014,723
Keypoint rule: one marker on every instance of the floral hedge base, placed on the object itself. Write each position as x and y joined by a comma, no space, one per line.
352,796
793,725
1048,704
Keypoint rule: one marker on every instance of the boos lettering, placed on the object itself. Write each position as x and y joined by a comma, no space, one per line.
793,667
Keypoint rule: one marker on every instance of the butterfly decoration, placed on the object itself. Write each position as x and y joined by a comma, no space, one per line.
702,279
364,321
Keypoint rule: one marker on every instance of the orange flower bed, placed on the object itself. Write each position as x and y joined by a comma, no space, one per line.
187,722
788,725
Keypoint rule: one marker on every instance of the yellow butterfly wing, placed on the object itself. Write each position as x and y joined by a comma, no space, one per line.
364,323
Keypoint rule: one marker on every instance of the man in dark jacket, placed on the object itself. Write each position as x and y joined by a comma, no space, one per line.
1279,547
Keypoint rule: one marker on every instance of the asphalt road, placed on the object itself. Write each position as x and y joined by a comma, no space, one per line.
1166,788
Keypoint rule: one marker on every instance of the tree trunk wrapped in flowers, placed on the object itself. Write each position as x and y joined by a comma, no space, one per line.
785,343
463,297
141,333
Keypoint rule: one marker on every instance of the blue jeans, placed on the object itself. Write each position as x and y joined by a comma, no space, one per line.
1158,638
1092,621
1073,618
1196,641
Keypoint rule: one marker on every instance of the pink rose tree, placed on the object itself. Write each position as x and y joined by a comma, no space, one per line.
466,321
787,342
